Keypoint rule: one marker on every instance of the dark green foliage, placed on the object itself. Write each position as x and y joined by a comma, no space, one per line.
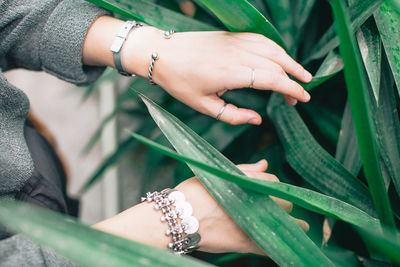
339,155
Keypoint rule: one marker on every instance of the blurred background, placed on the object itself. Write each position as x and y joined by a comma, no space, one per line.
58,105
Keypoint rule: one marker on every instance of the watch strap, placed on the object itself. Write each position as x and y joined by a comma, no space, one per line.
119,42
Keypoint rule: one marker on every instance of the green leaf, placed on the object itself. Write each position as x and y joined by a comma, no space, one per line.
347,148
331,66
369,43
241,16
153,14
81,243
358,95
282,17
124,147
360,12
386,118
301,12
311,161
395,4
326,121
388,21
387,245
256,214
305,198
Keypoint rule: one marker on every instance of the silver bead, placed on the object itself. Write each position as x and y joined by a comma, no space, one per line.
154,56
170,245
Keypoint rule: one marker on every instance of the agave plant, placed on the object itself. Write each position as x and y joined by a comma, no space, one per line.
338,157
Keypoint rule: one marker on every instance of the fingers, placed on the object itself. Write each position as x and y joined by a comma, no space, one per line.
188,8
303,224
251,170
257,171
267,76
290,100
275,79
260,166
212,105
286,205
262,46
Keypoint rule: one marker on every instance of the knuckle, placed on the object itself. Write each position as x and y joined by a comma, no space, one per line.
274,80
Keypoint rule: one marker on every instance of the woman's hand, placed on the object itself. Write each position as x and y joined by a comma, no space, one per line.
198,67
219,233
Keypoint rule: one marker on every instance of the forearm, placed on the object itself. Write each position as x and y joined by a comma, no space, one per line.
140,223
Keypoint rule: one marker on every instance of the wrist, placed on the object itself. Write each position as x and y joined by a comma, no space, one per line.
140,223
137,51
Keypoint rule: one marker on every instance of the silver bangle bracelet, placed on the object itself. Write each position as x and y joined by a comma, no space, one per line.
154,56
178,214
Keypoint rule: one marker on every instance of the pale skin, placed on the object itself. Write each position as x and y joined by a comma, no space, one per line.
197,68
219,233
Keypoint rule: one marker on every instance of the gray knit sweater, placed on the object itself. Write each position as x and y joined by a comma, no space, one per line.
37,35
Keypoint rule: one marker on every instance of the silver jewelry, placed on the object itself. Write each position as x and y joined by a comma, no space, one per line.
221,111
154,57
118,43
253,76
174,207
168,34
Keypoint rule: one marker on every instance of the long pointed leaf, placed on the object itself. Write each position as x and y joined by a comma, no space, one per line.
387,123
331,66
81,243
264,221
369,43
357,89
305,198
360,12
311,161
241,16
347,148
153,14
282,17
388,21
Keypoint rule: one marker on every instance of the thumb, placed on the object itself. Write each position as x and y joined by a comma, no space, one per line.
260,166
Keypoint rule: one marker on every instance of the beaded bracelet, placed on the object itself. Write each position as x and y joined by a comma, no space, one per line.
178,214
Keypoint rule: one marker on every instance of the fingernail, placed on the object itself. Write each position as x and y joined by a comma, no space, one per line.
307,96
254,121
261,161
307,75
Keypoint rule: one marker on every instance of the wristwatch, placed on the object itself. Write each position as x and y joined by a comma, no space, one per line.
119,42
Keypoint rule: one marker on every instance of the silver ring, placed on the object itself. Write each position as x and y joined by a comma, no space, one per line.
253,76
221,111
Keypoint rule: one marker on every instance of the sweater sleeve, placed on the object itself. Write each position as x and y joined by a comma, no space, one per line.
18,251
48,35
